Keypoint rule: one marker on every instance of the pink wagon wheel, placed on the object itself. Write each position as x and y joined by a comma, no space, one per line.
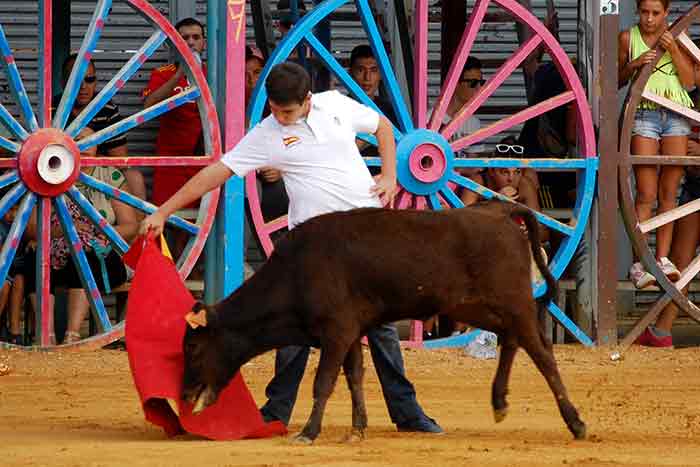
638,231
426,164
45,162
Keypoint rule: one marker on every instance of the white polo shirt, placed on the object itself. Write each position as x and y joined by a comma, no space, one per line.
321,166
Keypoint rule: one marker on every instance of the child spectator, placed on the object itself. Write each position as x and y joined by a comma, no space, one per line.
12,291
656,130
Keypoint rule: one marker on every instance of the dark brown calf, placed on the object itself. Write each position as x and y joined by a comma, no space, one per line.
338,275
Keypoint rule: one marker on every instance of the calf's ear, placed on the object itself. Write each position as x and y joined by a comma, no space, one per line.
197,319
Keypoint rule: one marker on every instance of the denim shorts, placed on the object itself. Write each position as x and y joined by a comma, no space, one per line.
657,123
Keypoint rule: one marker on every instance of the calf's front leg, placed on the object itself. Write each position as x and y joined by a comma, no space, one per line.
354,372
333,353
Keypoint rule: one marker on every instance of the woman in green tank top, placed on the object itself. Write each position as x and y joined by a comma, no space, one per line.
657,130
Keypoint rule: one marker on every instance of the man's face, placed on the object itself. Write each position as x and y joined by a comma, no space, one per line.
289,114
471,77
253,68
503,177
194,36
87,87
365,72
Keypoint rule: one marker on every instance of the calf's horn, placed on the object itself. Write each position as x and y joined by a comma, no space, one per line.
198,319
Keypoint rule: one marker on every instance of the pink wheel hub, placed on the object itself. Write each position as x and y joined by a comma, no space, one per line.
427,162
49,162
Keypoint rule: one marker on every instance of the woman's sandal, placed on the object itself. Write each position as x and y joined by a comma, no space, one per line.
71,337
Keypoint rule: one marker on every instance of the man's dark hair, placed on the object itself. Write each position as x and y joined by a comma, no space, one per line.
189,22
361,51
68,65
472,63
287,83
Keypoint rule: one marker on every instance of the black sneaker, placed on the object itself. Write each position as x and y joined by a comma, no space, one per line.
420,425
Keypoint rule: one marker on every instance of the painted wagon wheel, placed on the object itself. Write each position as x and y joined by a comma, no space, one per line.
425,156
46,162
638,230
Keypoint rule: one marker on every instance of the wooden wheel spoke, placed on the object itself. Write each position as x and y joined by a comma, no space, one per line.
489,194
455,71
98,220
135,202
15,128
690,114
275,225
45,316
139,118
451,198
80,67
12,241
146,161
434,202
508,122
391,84
420,64
82,266
345,78
689,46
16,84
116,83
669,216
688,273
8,178
663,160
403,200
11,198
539,164
45,61
491,85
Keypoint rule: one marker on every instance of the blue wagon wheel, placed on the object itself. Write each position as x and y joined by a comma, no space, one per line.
427,167
639,230
45,162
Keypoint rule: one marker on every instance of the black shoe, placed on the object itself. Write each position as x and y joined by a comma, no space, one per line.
15,339
420,425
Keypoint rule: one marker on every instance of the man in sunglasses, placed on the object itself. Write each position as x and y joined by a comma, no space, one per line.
470,82
105,117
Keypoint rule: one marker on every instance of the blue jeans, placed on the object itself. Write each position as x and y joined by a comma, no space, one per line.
399,394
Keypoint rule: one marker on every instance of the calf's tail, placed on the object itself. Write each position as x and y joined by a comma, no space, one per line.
533,233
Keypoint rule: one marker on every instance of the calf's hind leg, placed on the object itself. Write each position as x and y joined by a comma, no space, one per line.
499,389
354,372
532,341
333,352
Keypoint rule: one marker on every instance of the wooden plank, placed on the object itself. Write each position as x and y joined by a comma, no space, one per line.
669,216
690,114
606,274
665,160
689,46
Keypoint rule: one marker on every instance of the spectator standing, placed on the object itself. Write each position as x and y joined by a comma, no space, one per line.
656,130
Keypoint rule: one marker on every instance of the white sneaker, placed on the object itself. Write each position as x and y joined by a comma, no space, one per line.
640,277
669,269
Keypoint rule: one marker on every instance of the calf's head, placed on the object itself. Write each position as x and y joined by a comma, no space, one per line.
212,357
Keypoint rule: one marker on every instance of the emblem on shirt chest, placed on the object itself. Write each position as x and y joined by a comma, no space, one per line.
290,141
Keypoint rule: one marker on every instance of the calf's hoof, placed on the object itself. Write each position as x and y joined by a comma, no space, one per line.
355,436
578,429
302,440
500,414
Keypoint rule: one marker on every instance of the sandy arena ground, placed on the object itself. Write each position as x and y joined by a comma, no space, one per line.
81,409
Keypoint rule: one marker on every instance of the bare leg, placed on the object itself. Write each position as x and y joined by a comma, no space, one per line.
531,340
686,236
333,353
647,177
499,389
16,301
78,308
354,372
669,181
